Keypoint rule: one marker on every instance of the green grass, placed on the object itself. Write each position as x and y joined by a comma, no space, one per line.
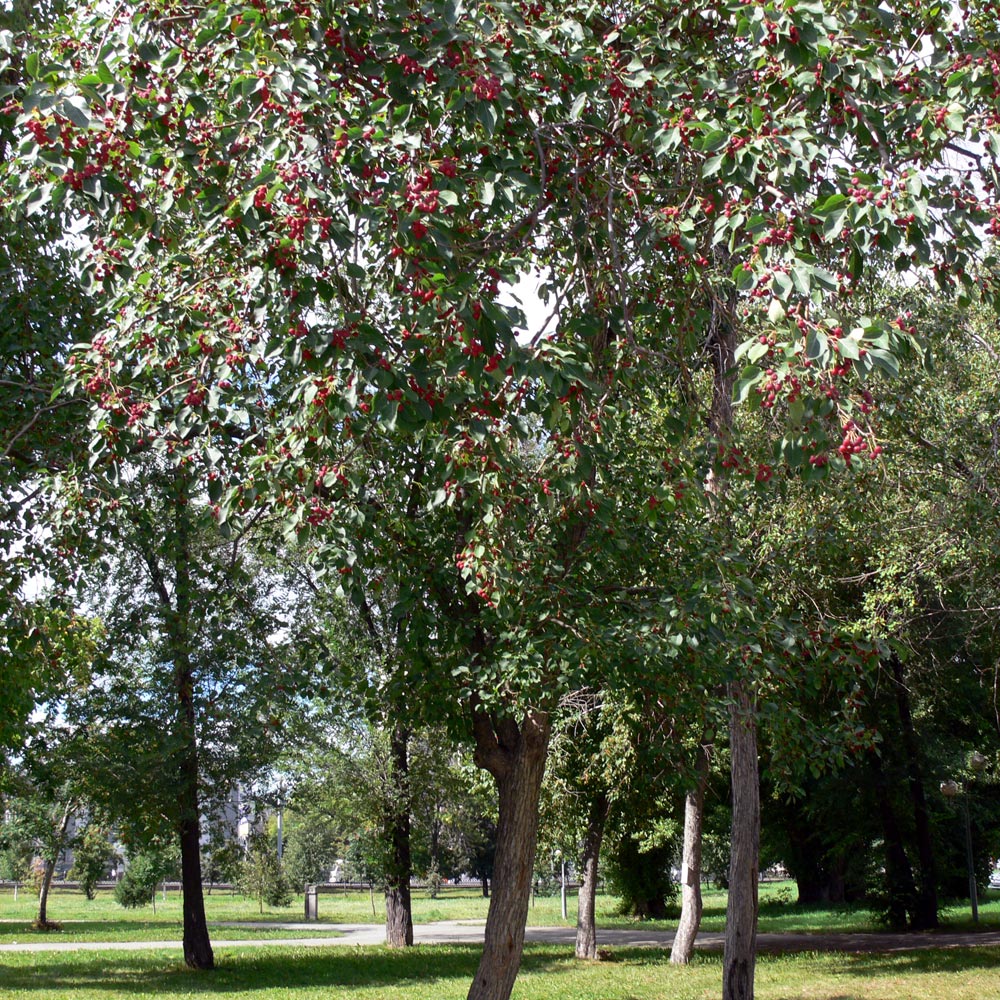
103,920
443,973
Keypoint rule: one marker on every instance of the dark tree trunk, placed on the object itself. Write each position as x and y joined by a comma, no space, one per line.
586,916
900,887
197,944
398,911
694,812
925,914
485,886
514,753
739,956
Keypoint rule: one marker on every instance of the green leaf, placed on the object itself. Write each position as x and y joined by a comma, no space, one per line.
77,110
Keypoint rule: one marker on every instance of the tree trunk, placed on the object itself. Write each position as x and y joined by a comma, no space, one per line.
739,956
515,755
925,914
694,813
197,945
42,921
485,886
586,917
900,887
740,953
398,912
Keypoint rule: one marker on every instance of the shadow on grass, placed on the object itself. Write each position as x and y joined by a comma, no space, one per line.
915,963
286,969
129,974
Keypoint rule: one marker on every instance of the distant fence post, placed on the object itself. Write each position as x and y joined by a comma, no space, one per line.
312,902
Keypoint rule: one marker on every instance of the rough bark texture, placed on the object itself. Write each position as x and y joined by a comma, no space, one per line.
694,812
739,955
925,914
514,753
398,911
586,923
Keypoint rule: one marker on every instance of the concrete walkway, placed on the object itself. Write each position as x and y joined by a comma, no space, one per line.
471,932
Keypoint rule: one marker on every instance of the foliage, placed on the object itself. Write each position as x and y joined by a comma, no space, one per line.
92,855
43,313
261,875
301,218
312,848
145,870
640,875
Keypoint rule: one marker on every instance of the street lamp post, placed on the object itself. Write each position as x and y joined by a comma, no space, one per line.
562,887
281,817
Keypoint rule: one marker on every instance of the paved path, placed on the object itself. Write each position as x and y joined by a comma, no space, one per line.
471,932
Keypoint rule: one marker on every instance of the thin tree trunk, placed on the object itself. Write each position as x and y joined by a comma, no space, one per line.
398,912
925,914
739,955
42,921
197,945
740,952
586,909
515,755
691,906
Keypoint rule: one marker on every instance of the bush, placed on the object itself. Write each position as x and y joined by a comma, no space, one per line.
138,885
641,879
91,859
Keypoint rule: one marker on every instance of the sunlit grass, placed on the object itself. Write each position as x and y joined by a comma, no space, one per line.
443,973
103,920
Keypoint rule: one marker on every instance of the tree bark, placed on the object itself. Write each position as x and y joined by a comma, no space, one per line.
197,944
586,915
42,921
740,951
514,754
925,914
398,911
691,906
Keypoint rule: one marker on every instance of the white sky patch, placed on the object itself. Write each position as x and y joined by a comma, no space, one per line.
540,318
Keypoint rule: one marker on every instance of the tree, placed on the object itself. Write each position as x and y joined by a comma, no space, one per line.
145,870
408,165
261,875
190,700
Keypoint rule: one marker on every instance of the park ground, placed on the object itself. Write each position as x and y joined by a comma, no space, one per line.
254,969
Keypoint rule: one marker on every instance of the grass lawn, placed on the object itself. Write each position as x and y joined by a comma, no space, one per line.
444,972
103,920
